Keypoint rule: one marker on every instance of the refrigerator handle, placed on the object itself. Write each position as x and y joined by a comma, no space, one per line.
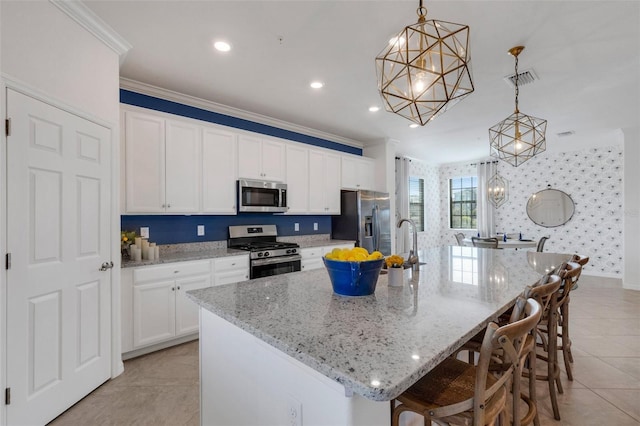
376,228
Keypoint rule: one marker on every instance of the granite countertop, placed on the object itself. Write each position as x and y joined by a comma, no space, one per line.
379,345
171,253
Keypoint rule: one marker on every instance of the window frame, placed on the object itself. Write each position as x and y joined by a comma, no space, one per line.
420,224
468,205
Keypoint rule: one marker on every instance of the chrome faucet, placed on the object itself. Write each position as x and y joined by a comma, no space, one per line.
413,253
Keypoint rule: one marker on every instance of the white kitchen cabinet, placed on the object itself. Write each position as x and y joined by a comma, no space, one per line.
261,158
230,269
324,182
312,256
219,171
298,174
159,310
162,165
358,173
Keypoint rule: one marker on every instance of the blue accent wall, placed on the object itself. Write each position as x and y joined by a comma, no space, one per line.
145,101
170,229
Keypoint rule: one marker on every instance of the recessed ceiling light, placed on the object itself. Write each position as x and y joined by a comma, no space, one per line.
222,46
413,125
374,108
316,84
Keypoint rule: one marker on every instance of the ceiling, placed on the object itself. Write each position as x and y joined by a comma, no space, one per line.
586,55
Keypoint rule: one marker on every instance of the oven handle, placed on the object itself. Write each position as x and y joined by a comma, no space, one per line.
272,260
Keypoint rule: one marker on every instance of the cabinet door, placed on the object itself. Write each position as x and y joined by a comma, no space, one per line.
367,174
186,310
297,179
350,173
249,157
311,258
183,151
273,159
153,312
144,163
219,171
317,202
332,178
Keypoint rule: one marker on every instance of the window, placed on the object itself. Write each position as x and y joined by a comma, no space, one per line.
462,202
416,202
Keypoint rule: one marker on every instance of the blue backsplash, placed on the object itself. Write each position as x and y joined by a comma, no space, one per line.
170,229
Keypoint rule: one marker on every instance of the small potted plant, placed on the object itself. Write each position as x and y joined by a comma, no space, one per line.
126,239
395,270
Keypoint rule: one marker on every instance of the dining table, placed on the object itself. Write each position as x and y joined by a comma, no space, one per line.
287,344
510,243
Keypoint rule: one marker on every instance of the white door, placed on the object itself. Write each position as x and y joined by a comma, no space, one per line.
154,318
187,314
273,159
58,233
297,179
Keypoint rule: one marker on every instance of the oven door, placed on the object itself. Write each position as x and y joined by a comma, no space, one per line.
275,266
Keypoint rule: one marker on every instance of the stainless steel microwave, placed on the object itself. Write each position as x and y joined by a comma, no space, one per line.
262,196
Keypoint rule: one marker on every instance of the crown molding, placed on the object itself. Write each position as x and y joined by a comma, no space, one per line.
84,16
170,95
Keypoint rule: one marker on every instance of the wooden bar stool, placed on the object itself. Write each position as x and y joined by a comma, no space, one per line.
456,392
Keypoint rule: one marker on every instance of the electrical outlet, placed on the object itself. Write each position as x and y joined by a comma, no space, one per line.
315,226
296,227
294,412
200,230
144,232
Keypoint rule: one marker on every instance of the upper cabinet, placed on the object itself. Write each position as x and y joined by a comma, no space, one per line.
261,158
358,173
219,171
178,167
324,182
161,160
297,164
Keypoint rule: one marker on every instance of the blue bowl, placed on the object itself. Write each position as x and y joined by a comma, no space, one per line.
353,278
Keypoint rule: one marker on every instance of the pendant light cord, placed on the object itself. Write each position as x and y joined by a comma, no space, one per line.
517,89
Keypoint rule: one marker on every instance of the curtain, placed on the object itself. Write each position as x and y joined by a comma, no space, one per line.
485,210
403,242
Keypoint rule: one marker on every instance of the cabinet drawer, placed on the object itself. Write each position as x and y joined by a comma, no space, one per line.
171,271
231,263
311,252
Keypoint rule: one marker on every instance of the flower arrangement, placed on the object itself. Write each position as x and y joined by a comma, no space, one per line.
126,239
394,261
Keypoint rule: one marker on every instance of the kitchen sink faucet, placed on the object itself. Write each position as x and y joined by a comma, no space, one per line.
413,253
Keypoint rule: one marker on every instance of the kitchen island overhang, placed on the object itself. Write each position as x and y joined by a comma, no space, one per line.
374,347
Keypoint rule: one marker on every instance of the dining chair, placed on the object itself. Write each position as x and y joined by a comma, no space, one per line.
485,242
563,321
541,244
456,392
460,238
548,334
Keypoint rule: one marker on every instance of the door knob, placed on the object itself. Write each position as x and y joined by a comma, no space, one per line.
106,265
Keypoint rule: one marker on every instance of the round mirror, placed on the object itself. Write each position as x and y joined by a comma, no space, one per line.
550,208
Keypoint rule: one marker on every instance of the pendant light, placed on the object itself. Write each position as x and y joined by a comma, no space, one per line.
425,69
518,137
498,190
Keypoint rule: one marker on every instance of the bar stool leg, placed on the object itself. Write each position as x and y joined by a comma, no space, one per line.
566,341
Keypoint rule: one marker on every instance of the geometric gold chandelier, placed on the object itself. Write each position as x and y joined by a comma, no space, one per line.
518,137
425,69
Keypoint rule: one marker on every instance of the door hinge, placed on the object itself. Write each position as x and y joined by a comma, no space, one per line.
7,127
7,396
8,261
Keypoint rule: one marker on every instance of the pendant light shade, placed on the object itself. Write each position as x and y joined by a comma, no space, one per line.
498,190
518,137
425,69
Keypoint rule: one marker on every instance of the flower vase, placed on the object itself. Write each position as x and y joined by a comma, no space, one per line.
396,277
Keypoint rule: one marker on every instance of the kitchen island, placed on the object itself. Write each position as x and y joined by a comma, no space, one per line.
280,349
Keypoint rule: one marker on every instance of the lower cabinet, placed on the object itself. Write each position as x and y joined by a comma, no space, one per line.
312,256
230,269
155,308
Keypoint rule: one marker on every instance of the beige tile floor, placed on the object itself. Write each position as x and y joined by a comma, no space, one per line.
162,388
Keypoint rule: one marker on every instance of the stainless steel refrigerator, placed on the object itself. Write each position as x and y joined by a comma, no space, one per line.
365,219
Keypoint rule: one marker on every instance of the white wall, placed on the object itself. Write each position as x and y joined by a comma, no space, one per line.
44,48
433,221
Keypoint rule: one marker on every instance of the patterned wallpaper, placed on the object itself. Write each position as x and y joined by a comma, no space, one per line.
593,179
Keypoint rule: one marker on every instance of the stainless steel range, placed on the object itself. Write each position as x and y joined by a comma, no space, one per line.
267,256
